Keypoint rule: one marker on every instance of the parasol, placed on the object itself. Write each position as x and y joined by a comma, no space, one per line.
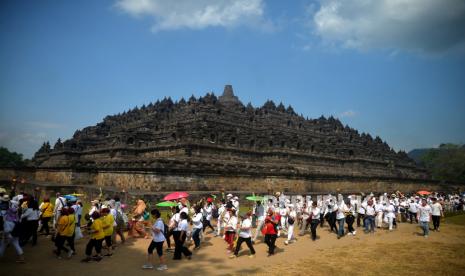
255,198
423,193
176,195
167,204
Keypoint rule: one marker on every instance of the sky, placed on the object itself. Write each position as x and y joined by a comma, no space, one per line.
391,68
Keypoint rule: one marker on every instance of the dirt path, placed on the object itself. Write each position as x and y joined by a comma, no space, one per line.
402,251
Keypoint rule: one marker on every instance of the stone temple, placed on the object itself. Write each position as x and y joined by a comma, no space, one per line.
215,143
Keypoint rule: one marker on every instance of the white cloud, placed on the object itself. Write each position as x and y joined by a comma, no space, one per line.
199,14
430,26
348,114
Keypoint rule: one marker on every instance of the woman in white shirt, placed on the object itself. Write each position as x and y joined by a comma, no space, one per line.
350,218
197,226
315,219
230,229
30,220
291,220
391,214
158,238
180,236
245,235
436,214
341,218
379,207
208,208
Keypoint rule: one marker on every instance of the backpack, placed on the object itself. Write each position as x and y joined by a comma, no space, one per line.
215,213
119,218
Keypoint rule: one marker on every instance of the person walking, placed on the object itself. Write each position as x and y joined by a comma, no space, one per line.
437,213
271,232
369,218
341,217
46,214
245,235
180,236
315,219
158,238
96,239
230,229
424,216
291,220
197,226
259,213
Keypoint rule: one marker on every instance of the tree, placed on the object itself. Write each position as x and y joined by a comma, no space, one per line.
10,159
446,163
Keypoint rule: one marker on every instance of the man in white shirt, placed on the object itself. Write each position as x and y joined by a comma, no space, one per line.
60,202
436,209
245,235
413,209
424,216
305,216
379,207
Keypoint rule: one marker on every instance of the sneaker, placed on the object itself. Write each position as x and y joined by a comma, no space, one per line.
162,267
286,242
355,232
108,255
426,236
251,256
70,254
189,257
86,260
232,256
147,266
349,234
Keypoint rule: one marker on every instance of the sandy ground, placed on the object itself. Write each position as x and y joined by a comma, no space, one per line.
402,251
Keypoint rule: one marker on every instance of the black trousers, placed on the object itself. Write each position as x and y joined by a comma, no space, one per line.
413,216
332,221
179,246
270,240
70,241
321,220
94,243
248,241
350,222
168,234
436,222
45,226
30,230
206,223
313,226
60,244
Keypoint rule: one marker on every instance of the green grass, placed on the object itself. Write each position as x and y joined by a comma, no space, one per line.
457,219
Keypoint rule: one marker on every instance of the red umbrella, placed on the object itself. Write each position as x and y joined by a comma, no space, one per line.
176,195
423,193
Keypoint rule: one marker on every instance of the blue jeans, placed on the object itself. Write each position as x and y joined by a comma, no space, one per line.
425,226
196,236
369,223
340,230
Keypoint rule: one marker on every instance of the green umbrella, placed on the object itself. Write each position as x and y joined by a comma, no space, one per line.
255,198
167,204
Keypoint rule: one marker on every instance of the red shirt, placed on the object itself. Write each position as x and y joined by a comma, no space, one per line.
270,226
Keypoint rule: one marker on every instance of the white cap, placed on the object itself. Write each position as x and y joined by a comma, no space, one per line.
229,195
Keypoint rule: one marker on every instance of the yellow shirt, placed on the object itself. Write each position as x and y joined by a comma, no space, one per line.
107,223
47,210
69,230
62,225
97,230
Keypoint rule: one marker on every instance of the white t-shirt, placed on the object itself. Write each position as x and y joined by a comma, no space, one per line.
413,207
246,223
197,221
391,211
370,210
315,213
183,226
208,211
231,225
424,212
436,209
158,237
341,211
306,213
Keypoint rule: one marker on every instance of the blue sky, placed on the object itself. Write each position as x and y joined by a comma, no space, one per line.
397,71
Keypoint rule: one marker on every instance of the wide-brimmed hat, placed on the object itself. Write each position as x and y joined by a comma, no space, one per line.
5,198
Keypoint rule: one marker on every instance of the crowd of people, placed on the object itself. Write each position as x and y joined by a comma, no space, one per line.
266,219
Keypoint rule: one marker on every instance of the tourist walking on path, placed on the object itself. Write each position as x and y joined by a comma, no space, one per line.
208,209
369,218
291,221
341,218
180,236
305,217
245,235
413,209
271,232
315,219
69,231
11,231
197,226
61,230
96,238
350,217
437,213
46,214
30,219
424,216
158,238
107,224
230,229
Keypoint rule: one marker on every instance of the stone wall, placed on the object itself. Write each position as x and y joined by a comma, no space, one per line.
152,182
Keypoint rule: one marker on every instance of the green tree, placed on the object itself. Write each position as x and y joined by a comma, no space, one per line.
446,163
10,159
